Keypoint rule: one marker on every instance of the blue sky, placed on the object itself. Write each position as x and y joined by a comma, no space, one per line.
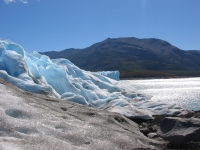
45,25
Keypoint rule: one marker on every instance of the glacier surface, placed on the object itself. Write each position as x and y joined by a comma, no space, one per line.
61,79
36,122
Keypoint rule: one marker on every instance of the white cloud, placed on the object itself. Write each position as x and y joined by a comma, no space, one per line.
11,1
24,1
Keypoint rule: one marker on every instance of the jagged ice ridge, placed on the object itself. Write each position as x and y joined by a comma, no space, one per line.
61,79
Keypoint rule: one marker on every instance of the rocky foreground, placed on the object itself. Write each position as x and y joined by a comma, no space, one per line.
180,132
35,122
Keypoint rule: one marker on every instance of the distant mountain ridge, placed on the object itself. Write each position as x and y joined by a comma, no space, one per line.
134,57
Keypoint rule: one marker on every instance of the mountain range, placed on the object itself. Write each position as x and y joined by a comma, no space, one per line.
134,57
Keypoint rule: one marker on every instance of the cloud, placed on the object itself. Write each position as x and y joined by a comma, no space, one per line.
9,1
14,1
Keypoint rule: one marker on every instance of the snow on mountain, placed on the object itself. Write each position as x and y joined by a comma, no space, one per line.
60,78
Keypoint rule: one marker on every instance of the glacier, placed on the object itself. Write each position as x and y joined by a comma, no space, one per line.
59,78
111,74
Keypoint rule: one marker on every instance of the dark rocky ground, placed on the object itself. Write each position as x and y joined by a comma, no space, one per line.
173,130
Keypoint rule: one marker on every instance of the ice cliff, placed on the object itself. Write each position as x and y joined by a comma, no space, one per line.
60,78
111,74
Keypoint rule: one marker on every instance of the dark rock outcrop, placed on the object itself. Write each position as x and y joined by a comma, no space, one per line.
180,130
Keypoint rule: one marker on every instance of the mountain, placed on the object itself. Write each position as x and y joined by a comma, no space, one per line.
134,57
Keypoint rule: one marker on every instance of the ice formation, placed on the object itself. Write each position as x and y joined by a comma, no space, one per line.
60,78
111,74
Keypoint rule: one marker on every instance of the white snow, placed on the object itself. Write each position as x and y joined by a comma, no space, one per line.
60,78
